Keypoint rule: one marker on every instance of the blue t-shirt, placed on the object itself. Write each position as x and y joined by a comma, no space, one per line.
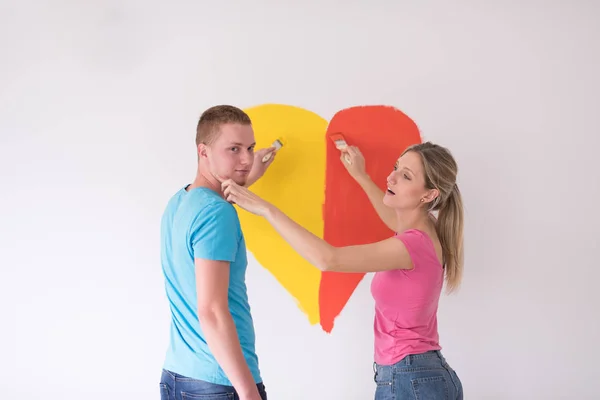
201,224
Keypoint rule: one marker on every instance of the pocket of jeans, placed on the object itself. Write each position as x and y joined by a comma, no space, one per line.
431,387
164,391
213,396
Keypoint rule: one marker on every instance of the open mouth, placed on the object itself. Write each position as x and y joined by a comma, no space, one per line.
390,192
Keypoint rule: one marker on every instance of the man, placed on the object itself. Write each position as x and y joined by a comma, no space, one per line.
212,345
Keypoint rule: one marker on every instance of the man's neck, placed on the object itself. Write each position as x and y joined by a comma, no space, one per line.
205,179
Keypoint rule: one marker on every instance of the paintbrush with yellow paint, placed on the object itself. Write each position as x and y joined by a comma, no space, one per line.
277,144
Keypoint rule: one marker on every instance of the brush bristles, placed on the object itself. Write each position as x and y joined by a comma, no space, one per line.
340,144
277,144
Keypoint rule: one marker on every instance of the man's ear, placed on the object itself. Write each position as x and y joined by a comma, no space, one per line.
202,150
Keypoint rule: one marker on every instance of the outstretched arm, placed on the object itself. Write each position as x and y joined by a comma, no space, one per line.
387,254
357,170
384,255
259,167
375,195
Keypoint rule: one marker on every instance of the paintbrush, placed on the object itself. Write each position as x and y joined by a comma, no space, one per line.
340,144
278,144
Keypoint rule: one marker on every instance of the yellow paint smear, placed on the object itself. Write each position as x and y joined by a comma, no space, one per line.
295,184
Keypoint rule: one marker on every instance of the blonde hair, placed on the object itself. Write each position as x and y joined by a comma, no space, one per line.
440,173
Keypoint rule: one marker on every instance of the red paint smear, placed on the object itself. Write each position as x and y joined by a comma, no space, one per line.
381,133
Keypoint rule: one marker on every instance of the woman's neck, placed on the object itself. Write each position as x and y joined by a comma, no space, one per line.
414,219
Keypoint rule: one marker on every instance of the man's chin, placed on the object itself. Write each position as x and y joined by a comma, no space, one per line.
239,180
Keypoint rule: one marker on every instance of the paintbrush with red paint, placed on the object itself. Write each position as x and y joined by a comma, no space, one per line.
340,143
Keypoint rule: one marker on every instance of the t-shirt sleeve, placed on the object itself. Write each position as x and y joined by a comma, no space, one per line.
215,233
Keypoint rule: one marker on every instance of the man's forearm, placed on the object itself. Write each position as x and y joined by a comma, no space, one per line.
250,181
222,339
375,195
253,176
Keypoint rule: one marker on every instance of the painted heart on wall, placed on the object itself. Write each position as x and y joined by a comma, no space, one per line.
308,182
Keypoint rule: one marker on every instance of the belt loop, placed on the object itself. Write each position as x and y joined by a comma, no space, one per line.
441,357
408,359
375,372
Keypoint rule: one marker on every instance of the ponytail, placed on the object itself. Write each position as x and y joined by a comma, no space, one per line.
450,232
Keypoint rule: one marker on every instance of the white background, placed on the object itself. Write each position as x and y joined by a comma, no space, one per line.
98,106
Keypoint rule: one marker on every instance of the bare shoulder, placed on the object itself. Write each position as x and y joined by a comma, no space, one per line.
433,236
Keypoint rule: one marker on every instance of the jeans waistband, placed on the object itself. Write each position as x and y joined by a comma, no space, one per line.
412,358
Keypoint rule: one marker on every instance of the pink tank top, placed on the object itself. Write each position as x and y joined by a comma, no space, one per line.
406,302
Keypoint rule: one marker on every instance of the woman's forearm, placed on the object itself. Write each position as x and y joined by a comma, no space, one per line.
375,195
311,247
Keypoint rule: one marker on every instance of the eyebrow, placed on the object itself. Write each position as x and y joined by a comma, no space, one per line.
241,144
409,170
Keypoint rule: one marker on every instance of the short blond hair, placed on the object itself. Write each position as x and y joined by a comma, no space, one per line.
212,119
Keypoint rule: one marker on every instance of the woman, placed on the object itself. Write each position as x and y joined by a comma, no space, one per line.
409,267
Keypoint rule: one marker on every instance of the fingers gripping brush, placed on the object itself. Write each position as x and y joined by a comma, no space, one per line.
340,144
278,144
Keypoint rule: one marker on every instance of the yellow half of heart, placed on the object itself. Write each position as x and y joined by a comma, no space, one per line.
294,183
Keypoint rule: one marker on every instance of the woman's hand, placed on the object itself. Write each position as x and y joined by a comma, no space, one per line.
234,193
356,167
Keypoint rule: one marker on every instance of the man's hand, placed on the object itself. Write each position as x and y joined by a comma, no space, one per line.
259,167
254,396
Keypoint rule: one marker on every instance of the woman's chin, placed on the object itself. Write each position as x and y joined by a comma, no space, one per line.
388,200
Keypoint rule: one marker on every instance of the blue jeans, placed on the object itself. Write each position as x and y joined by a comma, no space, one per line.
177,387
425,376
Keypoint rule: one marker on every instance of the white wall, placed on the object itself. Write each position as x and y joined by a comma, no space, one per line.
98,105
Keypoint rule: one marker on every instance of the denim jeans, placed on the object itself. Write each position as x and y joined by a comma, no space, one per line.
177,387
425,376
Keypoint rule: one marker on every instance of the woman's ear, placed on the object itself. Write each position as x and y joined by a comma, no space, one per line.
432,195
